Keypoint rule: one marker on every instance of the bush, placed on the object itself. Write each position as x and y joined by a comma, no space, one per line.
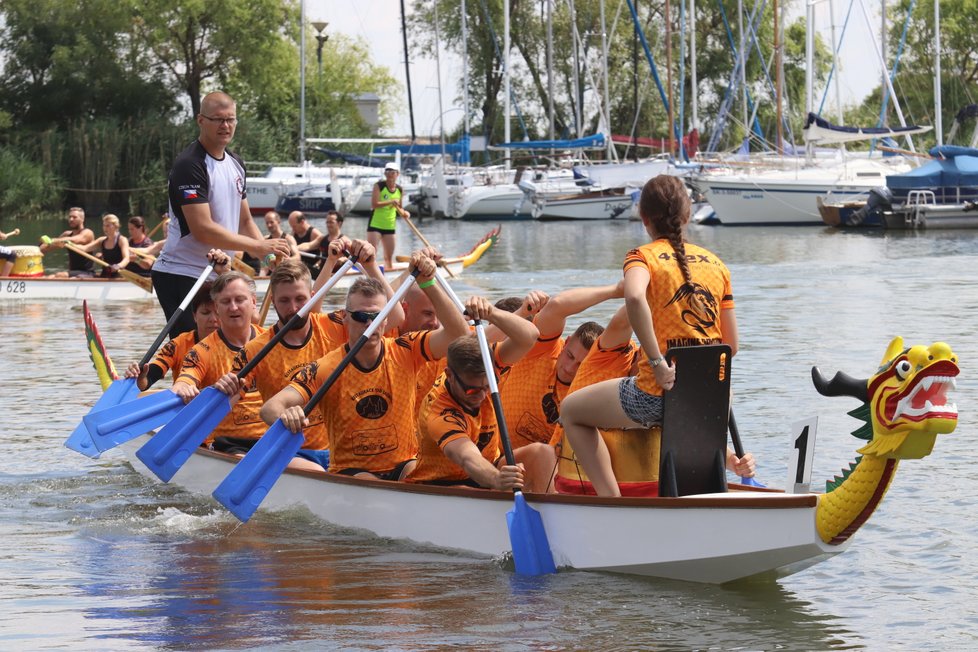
25,187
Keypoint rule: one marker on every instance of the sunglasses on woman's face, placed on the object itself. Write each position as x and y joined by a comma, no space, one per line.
363,316
468,390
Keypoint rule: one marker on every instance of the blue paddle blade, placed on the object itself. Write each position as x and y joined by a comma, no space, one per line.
117,425
173,445
119,391
250,481
751,482
531,550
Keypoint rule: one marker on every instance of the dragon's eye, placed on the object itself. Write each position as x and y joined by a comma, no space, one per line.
903,369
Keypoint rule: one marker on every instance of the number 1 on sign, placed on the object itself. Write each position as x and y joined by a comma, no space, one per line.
801,455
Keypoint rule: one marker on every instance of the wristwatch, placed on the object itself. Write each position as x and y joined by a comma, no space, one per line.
655,363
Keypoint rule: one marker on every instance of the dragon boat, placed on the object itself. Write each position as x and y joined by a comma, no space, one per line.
904,406
34,286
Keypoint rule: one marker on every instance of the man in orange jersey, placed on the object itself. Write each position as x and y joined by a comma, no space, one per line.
170,356
531,399
369,411
315,336
460,440
213,356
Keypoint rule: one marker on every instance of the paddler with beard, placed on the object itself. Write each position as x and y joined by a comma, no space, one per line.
312,338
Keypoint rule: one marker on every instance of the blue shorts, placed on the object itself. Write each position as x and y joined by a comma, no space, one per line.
638,406
317,457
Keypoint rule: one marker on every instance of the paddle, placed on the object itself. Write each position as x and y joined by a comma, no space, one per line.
242,266
407,218
266,303
10,235
116,424
739,449
254,476
163,222
142,281
527,536
173,445
117,392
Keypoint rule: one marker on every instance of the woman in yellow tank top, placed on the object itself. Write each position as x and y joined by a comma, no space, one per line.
676,293
386,203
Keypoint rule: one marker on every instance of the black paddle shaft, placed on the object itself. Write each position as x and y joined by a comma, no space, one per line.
735,435
289,325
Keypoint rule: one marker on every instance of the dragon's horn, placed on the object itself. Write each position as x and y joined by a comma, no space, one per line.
840,385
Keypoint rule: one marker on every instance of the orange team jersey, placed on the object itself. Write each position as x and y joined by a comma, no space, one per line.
442,421
530,398
599,365
683,314
210,359
327,333
170,356
369,413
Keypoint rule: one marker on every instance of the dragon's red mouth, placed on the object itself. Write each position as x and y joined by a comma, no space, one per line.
926,397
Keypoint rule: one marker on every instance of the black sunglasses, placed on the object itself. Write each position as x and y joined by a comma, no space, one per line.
363,316
468,390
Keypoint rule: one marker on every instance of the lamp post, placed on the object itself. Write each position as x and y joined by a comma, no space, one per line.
320,27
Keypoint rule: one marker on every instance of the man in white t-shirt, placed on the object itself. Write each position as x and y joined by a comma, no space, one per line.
206,189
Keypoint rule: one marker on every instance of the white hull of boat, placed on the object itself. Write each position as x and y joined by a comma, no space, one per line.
712,538
121,290
932,216
788,197
607,207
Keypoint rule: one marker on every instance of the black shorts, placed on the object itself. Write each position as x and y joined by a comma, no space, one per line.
393,475
381,231
170,292
233,445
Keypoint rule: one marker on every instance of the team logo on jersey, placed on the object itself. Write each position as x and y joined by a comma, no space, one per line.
239,184
453,417
550,409
485,436
190,193
372,407
305,376
701,310
169,349
192,361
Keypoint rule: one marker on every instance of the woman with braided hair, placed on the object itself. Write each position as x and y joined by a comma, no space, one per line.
676,294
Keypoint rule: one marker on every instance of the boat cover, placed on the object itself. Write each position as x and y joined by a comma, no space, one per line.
592,141
821,131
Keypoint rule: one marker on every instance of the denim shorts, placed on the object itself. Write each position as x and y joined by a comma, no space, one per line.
638,406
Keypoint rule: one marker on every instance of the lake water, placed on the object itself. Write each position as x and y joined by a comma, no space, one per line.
97,557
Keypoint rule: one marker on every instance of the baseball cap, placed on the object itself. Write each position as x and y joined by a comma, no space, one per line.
392,166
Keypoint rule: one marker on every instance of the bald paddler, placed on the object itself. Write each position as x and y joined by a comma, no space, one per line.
206,190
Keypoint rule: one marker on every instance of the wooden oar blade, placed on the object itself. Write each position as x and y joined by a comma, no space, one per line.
254,476
117,425
118,392
145,282
173,445
531,550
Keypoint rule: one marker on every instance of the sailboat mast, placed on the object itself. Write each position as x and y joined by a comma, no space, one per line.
407,72
692,59
550,66
506,91
465,70
672,119
779,146
938,120
743,65
302,81
612,155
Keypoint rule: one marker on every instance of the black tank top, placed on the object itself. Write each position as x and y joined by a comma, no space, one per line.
112,256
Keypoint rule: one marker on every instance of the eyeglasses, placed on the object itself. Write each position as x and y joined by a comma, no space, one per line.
468,390
223,121
363,316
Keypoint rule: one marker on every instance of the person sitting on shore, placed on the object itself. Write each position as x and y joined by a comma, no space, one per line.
369,411
77,234
458,430
113,247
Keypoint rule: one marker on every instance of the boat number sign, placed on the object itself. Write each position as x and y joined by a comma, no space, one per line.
14,287
800,456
